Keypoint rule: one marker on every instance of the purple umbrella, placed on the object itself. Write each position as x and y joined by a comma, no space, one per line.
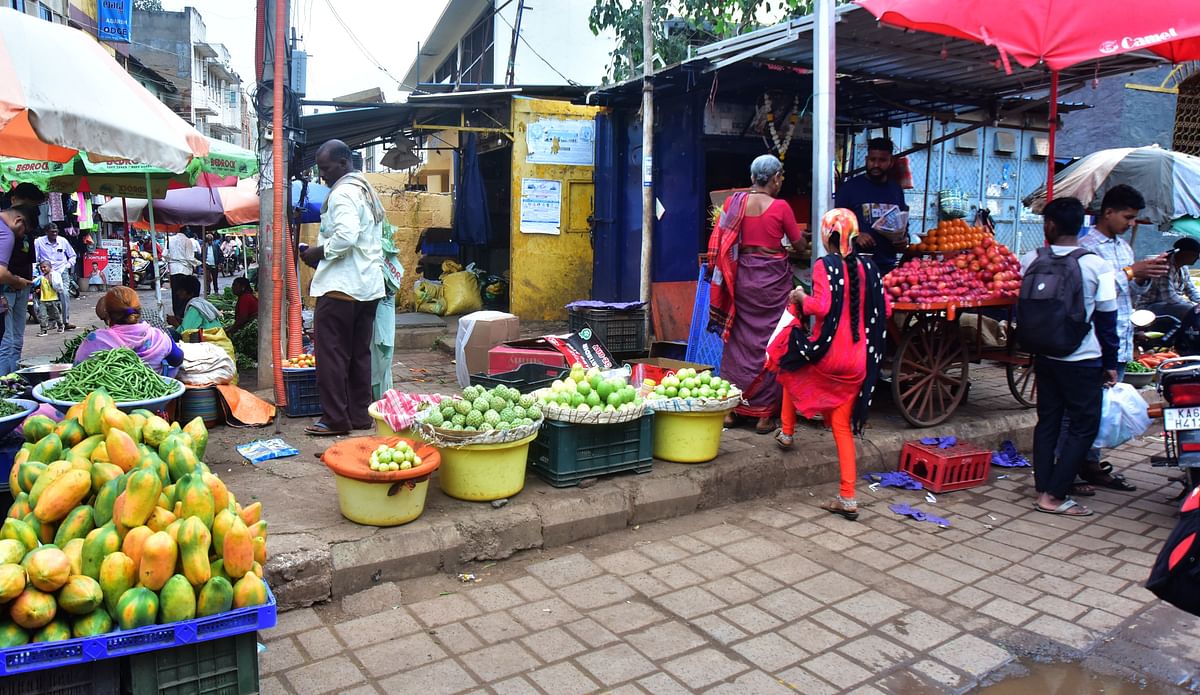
198,205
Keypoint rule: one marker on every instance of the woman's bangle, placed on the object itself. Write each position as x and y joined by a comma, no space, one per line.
1128,272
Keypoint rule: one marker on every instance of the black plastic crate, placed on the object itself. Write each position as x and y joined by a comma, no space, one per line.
564,453
620,331
527,378
227,666
303,398
93,678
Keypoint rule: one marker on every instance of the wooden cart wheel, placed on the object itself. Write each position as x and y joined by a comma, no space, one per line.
929,378
1022,383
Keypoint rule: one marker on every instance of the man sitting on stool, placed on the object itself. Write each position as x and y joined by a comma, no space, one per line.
1175,294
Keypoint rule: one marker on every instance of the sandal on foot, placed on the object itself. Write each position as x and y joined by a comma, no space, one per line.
837,506
1082,490
765,426
784,441
320,429
1112,481
1067,508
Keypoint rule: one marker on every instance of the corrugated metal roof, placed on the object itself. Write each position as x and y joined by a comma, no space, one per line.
458,17
886,74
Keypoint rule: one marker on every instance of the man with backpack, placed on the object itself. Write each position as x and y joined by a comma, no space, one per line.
1066,316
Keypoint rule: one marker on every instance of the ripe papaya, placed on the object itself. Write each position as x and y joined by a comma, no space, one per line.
154,463
199,434
47,567
143,412
159,519
216,486
47,449
132,544
74,551
106,499
121,449
62,495
176,600
194,541
118,506
251,514
136,423
102,472
118,574
221,524
215,597
95,623
237,549
249,591
78,524
99,544
36,427
33,608
114,419
12,581
27,474
172,529
14,474
196,497
12,551
20,506
141,495
100,453
80,595
52,472
258,570
218,570
56,630
20,530
155,431
70,432
181,460
78,462
45,531
159,554
12,635
137,607
92,417
75,412
260,549
86,447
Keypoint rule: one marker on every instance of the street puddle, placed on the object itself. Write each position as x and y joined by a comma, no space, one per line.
1070,679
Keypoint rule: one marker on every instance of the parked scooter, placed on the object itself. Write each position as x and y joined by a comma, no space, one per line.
1154,333
144,268
1179,384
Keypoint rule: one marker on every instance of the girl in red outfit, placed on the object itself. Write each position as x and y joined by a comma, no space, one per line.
833,371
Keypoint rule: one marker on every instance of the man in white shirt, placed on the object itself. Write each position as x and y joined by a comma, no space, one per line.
181,262
58,252
348,284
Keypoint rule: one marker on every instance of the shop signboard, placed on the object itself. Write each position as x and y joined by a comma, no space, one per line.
115,17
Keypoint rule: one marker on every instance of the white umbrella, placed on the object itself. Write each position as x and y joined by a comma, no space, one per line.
61,93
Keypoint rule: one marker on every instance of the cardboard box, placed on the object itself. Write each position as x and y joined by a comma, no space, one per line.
658,367
554,350
478,333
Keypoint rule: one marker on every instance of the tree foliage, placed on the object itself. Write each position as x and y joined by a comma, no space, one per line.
680,24
148,5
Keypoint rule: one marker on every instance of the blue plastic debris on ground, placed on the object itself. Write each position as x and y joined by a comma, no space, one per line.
1008,457
919,515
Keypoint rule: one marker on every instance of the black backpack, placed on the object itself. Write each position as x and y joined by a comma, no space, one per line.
1175,577
1052,319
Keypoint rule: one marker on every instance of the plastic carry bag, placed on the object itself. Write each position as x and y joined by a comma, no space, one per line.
429,297
1124,416
461,291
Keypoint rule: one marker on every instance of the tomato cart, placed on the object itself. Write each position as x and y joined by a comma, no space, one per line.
931,362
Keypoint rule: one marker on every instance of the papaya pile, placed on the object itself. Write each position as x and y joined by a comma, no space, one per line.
118,524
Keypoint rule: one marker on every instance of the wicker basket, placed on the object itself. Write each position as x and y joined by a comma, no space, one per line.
560,413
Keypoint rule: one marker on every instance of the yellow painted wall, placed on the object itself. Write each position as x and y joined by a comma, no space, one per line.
549,271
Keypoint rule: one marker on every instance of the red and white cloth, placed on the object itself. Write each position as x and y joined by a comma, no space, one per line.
399,410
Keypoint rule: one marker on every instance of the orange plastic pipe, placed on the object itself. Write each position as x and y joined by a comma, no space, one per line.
279,236
295,322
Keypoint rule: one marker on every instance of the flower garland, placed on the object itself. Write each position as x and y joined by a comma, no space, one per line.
793,118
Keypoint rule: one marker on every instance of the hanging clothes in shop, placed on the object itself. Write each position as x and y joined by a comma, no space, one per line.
56,207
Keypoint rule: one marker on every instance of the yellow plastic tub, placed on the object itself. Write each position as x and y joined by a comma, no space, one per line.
375,498
687,437
485,472
385,430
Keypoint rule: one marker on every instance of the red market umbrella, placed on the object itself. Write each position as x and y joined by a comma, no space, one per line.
1055,32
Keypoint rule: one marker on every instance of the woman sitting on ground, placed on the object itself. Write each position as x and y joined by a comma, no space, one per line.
121,310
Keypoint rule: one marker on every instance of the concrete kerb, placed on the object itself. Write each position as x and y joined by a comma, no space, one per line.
304,570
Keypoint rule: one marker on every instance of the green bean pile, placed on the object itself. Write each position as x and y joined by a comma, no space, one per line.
120,372
7,409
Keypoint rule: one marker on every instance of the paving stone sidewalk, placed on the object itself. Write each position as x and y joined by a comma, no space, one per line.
764,597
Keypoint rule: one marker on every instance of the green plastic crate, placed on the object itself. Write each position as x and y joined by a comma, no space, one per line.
93,678
226,666
564,453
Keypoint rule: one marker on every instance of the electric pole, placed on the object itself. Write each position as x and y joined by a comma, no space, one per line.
647,154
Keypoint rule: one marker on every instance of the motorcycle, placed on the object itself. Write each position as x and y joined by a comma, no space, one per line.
1179,385
1155,333
144,268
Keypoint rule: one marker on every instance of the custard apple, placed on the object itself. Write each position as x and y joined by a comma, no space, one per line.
518,412
462,407
435,418
459,420
472,392
533,412
525,401
491,417
507,415
474,419
497,403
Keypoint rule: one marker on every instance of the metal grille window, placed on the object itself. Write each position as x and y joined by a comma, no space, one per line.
1187,117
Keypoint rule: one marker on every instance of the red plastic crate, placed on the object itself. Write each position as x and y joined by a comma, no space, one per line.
958,467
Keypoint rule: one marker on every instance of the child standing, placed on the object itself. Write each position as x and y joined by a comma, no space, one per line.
48,286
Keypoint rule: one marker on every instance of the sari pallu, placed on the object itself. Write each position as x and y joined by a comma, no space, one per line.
760,297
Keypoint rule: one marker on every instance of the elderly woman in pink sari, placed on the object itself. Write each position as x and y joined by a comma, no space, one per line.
121,309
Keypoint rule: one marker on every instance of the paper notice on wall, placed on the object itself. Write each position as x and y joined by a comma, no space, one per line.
114,271
561,141
541,206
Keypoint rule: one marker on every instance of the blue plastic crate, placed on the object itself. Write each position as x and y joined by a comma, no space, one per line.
703,347
303,397
36,657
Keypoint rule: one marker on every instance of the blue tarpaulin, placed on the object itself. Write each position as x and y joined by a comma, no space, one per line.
472,225
314,198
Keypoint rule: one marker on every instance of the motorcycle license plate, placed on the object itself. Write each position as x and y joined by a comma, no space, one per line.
1181,419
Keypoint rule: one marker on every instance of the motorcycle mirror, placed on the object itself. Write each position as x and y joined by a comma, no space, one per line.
1142,318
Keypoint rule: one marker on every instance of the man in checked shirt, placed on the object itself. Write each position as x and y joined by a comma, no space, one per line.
1118,212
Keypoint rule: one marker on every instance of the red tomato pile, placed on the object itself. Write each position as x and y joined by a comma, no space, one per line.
988,271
